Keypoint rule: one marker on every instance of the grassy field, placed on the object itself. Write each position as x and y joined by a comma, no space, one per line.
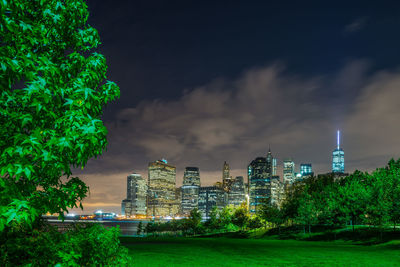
258,252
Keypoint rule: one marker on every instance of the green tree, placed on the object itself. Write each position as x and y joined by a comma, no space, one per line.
225,217
53,90
194,220
240,217
354,197
271,213
307,213
212,223
139,228
378,206
255,222
291,203
149,229
392,176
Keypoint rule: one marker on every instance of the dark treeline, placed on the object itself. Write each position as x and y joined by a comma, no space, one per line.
228,219
361,198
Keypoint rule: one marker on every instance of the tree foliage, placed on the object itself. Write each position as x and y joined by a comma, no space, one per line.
53,90
360,198
194,220
241,217
80,245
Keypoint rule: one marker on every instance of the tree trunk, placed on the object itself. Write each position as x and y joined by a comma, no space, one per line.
309,229
304,229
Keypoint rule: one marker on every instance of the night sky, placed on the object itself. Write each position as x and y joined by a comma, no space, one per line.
203,82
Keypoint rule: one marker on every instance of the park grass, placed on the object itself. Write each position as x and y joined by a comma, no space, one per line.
180,251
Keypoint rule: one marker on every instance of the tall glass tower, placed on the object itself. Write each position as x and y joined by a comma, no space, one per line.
190,189
226,178
338,157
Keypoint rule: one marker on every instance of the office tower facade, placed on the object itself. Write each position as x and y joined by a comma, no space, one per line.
306,169
210,197
161,194
136,194
259,179
226,177
288,171
273,166
178,198
270,164
190,189
277,191
338,157
237,194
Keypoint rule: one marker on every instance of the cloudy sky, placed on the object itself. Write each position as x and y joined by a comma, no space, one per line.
207,82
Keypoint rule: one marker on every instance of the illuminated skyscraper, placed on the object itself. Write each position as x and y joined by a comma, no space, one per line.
190,189
161,193
135,202
263,186
210,197
226,178
306,169
236,194
270,164
338,157
288,171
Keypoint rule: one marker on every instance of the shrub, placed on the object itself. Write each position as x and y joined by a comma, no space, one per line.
81,245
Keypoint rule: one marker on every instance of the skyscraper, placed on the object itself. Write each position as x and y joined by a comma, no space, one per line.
190,189
226,178
288,171
270,163
236,194
210,197
261,182
306,169
338,157
135,202
161,193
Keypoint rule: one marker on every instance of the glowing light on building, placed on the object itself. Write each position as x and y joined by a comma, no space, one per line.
338,157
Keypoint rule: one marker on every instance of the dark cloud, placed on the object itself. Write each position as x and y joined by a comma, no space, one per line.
237,120
356,25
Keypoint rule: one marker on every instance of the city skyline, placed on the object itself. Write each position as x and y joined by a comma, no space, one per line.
227,84
226,173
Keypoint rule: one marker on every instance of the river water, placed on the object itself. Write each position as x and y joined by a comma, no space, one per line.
127,228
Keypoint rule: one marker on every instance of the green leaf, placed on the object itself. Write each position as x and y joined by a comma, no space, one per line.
11,217
68,102
28,173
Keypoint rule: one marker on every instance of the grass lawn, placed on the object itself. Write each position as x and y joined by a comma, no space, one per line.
258,252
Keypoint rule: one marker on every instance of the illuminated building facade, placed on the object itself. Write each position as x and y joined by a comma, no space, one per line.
306,169
178,198
271,163
261,182
226,178
161,194
190,189
288,171
136,194
210,197
236,194
277,191
338,157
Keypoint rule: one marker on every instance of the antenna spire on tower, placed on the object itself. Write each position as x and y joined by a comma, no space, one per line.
338,139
